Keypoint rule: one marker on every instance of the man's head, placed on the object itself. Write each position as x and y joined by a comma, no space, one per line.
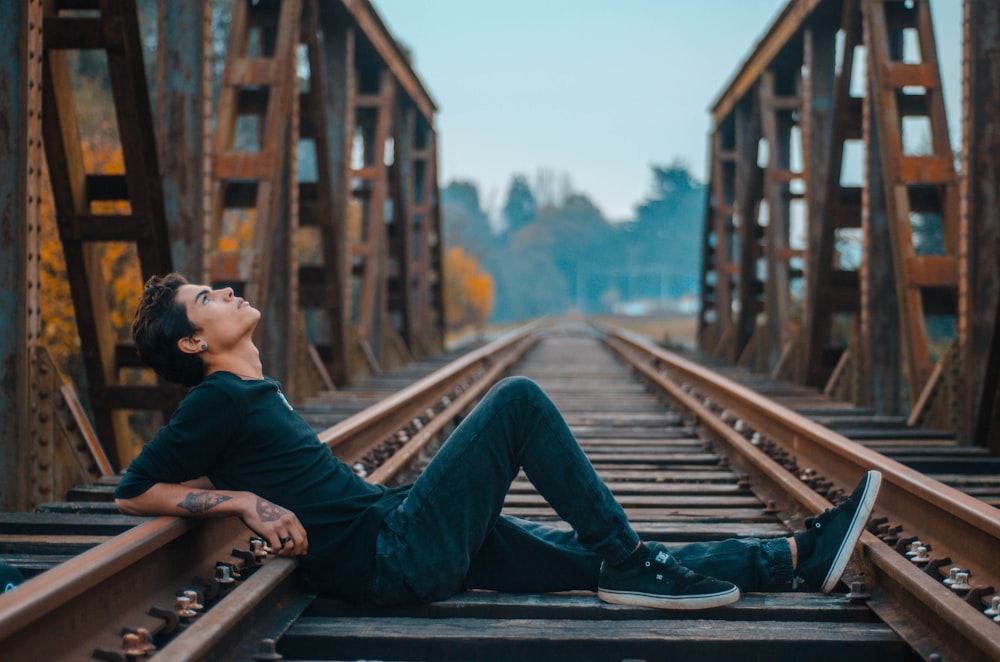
184,331
160,322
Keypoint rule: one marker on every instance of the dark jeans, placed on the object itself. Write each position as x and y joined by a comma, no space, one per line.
449,534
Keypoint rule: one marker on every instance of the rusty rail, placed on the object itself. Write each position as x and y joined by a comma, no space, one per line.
414,415
958,528
130,582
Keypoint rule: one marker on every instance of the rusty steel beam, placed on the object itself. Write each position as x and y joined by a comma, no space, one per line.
256,185
338,79
750,288
780,101
833,117
979,329
374,31
880,323
184,124
718,337
20,181
138,191
786,26
918,276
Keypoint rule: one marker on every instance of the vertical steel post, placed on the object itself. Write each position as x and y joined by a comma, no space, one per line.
184,93
338,99
980,245
20,161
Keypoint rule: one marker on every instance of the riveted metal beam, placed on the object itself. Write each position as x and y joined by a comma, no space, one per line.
20,165
184,125
979,329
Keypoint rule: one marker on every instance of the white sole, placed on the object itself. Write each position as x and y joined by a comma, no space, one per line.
854,532
670,602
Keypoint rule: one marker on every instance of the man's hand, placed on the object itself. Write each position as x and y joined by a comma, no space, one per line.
278,526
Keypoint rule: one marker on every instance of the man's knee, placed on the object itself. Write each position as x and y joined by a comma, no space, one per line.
517,387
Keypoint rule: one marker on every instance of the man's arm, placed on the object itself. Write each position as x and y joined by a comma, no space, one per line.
266,519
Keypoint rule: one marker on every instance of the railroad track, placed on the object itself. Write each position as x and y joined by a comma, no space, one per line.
691,456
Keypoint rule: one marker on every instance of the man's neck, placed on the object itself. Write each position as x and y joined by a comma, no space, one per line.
242,361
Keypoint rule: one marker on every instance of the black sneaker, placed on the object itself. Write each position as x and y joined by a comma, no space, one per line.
835,533
661,581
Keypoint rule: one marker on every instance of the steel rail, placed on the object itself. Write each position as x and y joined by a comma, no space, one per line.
84,604
927,614
92,598
352,438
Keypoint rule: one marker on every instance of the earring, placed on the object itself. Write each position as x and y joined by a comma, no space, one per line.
204,347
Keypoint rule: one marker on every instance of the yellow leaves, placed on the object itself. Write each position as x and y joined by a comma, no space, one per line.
118,262
468,292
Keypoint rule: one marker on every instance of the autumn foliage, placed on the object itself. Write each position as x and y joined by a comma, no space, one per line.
118,261
468,291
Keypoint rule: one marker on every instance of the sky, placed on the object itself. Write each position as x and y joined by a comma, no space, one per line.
597,90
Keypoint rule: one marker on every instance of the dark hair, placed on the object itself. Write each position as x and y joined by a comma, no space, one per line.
159,322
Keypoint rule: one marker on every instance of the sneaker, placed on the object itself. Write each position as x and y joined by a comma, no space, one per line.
661,581
835,533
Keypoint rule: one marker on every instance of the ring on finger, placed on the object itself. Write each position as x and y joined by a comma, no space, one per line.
286,539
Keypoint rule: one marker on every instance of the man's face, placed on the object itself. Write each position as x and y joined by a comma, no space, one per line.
222,318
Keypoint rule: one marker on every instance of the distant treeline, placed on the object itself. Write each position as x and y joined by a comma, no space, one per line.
556,252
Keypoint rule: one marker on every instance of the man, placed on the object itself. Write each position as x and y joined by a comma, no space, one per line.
235,446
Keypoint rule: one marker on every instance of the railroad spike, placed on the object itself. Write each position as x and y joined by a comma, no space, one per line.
169,616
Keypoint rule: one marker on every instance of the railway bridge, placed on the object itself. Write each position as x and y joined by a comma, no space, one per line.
849,318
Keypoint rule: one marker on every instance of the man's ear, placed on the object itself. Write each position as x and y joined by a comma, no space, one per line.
191,345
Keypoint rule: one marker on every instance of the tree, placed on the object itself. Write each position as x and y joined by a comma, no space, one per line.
464,222
468,291
519,210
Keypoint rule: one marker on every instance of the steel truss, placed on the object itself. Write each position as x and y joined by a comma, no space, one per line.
866,151
344,264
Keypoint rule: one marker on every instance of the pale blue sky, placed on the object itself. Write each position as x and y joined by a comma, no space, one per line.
596,89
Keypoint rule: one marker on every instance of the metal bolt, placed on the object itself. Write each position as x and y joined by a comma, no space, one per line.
922,555
195,598
182,605
144,640
950,579
961,582
858,593
994,609
914,546
223,574
258,548
131,646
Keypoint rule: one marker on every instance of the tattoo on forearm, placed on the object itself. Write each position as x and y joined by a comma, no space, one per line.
199,502
267,511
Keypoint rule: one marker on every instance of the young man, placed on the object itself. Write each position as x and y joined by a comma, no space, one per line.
235,446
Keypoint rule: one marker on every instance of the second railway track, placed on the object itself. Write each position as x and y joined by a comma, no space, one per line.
688,464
